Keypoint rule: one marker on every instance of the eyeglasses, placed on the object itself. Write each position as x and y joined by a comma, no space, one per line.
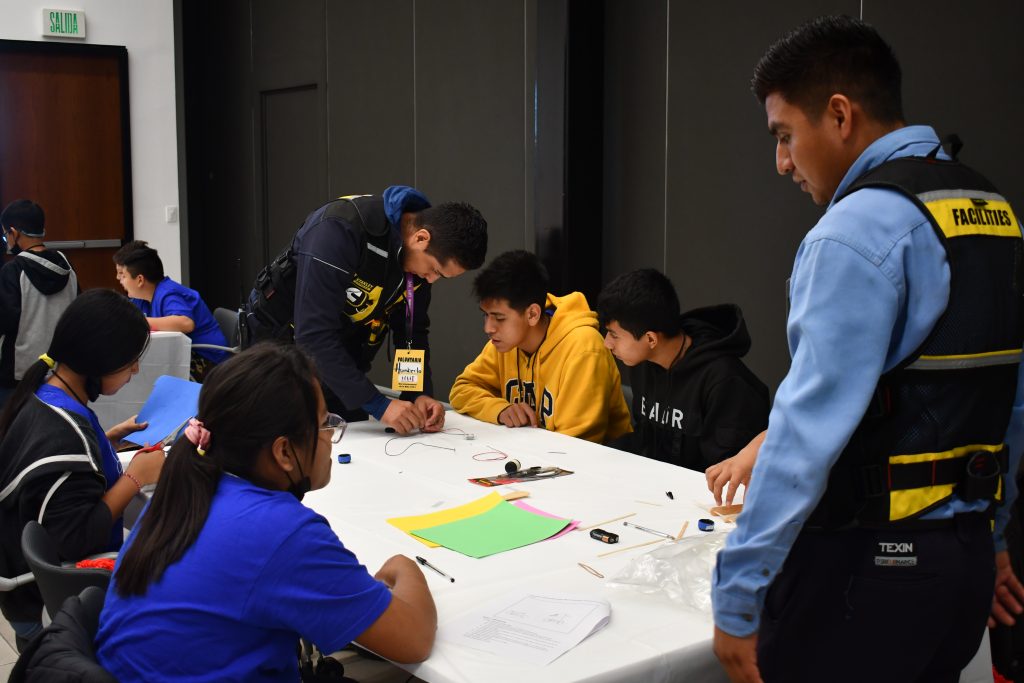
337,424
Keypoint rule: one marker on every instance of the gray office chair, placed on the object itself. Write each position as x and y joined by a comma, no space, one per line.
57,581
228,322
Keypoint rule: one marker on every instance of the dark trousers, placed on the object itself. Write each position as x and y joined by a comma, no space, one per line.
869,605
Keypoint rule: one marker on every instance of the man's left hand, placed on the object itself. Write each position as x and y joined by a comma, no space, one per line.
1008,599
434,412
738,656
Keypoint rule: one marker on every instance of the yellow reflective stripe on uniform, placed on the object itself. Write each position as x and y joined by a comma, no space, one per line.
909,502
967,360
965,216
350,197
944,455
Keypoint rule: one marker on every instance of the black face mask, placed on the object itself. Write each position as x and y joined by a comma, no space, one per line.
301,487
93,385
11,246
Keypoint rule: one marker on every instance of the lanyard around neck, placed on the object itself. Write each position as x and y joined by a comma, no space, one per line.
409,294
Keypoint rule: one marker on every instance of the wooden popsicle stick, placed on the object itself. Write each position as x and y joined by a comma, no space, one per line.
516,495
630,547
607,521
723,510
683,530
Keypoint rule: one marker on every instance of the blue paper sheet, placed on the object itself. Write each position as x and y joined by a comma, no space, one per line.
172,402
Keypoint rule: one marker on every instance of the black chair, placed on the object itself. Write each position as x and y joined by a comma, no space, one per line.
63,652
57,582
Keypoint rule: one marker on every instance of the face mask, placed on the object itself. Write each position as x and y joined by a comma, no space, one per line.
93,385
12,246
301,487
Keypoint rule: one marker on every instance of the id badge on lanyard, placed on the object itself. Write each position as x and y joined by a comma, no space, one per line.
410,363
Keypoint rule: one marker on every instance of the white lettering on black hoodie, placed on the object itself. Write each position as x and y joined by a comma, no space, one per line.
708,405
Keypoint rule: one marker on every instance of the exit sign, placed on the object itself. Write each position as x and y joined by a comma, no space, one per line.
63,23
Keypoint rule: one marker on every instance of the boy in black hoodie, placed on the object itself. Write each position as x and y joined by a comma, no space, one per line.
35,288
694,401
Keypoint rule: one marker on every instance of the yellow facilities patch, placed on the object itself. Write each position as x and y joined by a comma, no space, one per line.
962,216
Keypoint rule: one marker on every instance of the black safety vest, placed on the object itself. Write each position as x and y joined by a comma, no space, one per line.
375,290
936,425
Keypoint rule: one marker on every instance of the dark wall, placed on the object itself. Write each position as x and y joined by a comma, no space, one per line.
691,186
289,104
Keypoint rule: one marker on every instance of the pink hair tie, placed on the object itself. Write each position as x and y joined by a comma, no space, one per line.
198,435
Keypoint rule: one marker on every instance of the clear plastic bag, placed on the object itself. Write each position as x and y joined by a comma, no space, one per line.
682,571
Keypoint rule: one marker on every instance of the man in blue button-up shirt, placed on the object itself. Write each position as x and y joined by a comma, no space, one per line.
869,283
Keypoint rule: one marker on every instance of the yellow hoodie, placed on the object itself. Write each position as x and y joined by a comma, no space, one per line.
572,371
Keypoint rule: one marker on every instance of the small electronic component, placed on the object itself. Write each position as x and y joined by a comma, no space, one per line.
604,536
512,466
705,525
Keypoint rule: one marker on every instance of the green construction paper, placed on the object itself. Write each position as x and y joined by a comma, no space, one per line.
501,528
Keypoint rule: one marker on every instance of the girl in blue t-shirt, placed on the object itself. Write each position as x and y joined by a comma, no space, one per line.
57,466
228,560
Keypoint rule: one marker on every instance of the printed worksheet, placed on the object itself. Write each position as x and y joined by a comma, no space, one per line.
526,627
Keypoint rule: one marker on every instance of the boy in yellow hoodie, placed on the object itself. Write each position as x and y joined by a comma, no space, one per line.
545,364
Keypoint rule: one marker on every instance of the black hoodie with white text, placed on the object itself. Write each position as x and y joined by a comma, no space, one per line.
708,405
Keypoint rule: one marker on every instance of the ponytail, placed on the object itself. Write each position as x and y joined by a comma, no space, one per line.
98,333
174,519
246,403
28,385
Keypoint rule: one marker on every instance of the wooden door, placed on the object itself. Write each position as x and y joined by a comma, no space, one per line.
65,144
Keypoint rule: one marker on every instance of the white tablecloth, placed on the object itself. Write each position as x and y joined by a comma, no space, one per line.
649,638
168,353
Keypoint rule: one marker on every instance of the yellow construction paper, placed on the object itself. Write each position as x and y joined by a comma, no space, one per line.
432,519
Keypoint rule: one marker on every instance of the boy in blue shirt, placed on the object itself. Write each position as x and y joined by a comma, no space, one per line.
169,306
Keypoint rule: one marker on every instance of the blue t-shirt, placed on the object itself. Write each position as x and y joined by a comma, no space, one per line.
112,469
264,571
172,298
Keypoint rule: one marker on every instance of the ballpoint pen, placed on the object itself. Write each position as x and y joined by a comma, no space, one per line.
650,531
427,564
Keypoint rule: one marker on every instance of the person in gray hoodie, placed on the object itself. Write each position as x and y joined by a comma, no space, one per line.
36,286
695,402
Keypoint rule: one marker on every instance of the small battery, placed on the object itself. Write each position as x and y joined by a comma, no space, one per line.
344,458
604,536
705,525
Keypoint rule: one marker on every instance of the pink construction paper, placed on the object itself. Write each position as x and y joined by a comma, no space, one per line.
529,508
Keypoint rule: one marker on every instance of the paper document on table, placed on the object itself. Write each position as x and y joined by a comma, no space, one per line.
527,627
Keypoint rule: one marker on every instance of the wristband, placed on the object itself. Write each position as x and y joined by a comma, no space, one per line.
134,480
